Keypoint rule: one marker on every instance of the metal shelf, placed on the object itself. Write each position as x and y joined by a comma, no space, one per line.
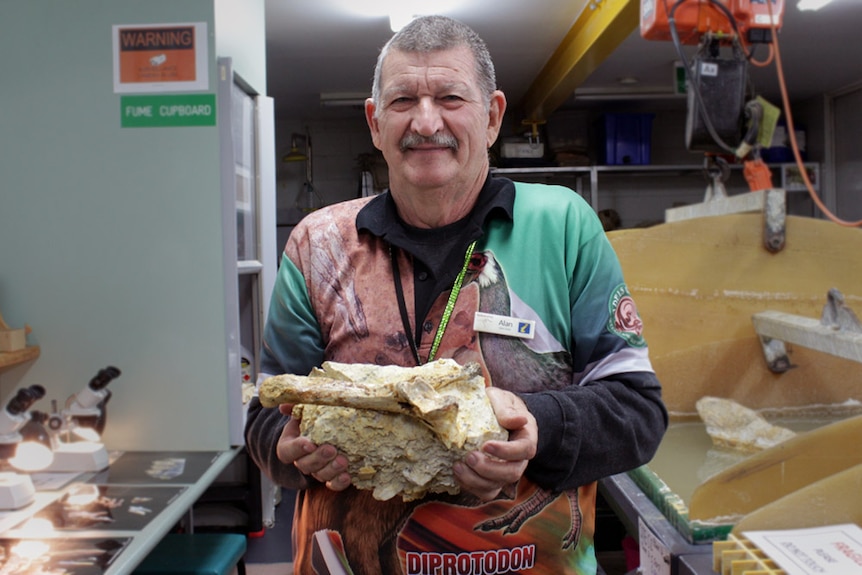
593,172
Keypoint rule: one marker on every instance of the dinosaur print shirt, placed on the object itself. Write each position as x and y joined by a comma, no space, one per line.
541,258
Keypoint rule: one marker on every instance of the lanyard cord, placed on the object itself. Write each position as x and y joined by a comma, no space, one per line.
447,312
402,307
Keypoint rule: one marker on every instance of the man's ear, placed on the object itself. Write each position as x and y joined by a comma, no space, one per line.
373,127
496,110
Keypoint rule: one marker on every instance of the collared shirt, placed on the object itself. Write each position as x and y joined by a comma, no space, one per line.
437,253
541,258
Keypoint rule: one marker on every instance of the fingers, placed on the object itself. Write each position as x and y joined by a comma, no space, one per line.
513,415
500,463
485,476
323,463
511,411
521,446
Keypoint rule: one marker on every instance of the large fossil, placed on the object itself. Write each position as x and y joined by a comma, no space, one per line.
400,428
734,426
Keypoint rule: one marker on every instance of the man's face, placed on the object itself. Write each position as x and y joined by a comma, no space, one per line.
433,125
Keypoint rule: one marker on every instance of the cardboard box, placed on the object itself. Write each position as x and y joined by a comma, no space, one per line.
523,150
12,339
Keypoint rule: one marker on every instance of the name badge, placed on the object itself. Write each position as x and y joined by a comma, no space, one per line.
504,325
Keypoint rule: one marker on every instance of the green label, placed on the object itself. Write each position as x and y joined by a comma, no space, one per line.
168,111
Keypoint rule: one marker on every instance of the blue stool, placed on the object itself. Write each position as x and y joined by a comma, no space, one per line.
196,554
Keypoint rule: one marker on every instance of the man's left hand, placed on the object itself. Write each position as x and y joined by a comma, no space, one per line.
485,472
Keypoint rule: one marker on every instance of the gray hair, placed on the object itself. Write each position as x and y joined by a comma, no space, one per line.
431,33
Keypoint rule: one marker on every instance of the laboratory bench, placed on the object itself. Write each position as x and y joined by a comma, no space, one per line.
106,522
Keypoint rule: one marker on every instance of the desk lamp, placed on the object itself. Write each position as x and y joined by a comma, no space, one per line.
23,445
77,429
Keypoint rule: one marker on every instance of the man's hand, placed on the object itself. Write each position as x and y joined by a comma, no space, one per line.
323,463
484,473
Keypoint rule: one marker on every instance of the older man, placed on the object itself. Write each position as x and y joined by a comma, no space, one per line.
397,280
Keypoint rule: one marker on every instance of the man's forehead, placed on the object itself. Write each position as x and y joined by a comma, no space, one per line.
458,59
447,67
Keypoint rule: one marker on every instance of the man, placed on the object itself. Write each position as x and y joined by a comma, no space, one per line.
369,280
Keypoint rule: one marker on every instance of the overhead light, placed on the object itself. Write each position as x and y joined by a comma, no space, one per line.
812,4
623,96
400,17
400,12
343,99
625,92
295,154
307,199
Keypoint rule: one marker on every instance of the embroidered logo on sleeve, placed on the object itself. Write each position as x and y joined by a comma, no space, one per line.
624,320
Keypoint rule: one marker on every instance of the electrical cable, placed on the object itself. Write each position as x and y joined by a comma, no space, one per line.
774,55
792,133
763,63
692,85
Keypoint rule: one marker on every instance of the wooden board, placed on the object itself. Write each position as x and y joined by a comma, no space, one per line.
809,332
11,358
833,500
778,471
739,203
697,284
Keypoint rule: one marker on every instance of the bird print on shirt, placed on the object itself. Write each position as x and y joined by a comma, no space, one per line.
511,363
514,366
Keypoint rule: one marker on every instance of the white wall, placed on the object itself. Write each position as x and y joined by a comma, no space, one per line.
239,33
111,236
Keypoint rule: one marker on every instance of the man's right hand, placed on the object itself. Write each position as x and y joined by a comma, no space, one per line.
323,463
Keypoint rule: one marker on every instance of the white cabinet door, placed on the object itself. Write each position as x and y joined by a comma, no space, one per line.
247,143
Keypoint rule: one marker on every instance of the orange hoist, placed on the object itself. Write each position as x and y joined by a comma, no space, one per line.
723,114
751,19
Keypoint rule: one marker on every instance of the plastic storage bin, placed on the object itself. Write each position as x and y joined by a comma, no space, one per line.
624,139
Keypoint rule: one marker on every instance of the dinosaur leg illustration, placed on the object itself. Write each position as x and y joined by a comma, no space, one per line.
570,539
514,519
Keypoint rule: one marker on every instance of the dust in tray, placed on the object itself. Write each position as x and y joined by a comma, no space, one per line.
68,556
85,506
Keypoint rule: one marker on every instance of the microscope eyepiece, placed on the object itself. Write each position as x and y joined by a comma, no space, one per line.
103,378
25,397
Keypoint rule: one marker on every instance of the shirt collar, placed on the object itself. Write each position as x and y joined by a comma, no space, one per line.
380,216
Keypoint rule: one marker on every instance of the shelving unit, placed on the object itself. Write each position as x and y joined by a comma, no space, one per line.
593,172
248,195
581,173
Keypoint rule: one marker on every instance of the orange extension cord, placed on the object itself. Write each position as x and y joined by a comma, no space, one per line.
792,132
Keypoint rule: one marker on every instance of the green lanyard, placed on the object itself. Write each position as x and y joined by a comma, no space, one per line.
447,311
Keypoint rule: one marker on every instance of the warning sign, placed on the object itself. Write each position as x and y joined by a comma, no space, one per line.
160,57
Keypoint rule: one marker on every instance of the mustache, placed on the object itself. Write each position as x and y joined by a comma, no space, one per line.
412,139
